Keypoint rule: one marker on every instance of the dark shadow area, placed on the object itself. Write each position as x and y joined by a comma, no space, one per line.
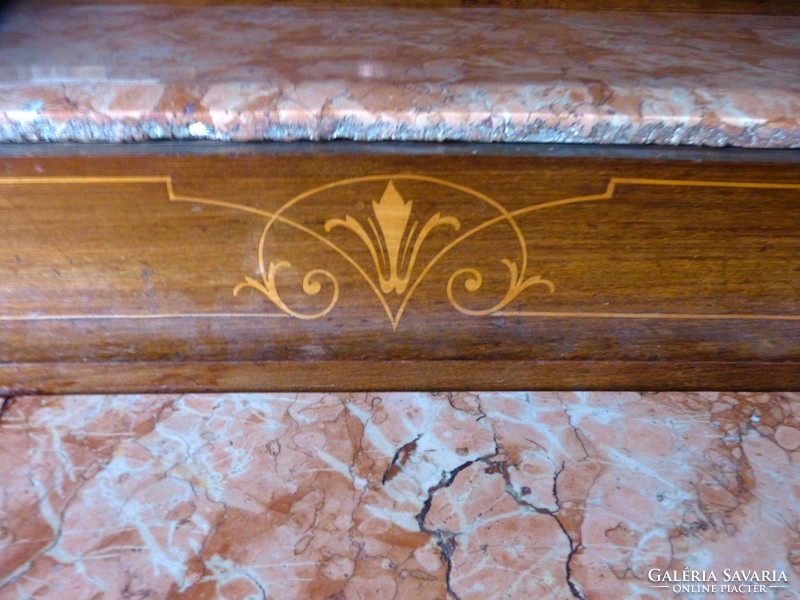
6,8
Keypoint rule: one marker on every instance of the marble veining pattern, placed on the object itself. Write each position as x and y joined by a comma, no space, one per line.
401,495
136,72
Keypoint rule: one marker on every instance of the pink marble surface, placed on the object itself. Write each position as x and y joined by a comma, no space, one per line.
136,72
402,495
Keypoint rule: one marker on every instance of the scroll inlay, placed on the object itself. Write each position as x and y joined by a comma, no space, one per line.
394,243
398,248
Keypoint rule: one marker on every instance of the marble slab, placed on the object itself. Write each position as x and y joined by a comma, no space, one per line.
402,495
147,71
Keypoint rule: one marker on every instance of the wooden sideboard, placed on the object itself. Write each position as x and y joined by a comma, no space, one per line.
431,240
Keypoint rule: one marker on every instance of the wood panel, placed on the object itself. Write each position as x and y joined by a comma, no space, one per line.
309,266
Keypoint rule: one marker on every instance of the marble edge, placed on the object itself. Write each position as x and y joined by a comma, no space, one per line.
19,126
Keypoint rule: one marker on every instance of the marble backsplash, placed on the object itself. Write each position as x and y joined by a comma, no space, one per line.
400,495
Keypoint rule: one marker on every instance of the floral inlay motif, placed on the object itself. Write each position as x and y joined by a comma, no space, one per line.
394,240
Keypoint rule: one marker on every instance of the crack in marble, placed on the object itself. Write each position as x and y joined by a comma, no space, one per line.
53,518
5,404
574,547
445,540
399,459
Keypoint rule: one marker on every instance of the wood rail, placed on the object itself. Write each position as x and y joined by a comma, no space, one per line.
343,266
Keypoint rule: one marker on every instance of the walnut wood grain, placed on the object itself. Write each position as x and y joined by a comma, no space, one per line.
618,269
329,376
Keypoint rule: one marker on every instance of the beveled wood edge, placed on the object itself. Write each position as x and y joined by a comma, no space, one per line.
167,148
355,376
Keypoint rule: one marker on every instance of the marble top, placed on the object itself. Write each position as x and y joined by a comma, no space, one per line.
139,72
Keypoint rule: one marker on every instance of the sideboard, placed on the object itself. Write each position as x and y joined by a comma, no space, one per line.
416,300
248,196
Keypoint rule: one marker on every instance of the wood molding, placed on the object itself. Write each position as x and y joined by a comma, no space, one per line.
469,269
31,379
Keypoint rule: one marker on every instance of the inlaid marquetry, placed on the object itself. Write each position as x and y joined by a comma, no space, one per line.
414,262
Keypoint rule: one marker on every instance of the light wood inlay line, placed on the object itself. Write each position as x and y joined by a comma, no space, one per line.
101,317
501,313
615,315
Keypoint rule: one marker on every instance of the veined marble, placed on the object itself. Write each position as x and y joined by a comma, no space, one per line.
400,495
137,72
